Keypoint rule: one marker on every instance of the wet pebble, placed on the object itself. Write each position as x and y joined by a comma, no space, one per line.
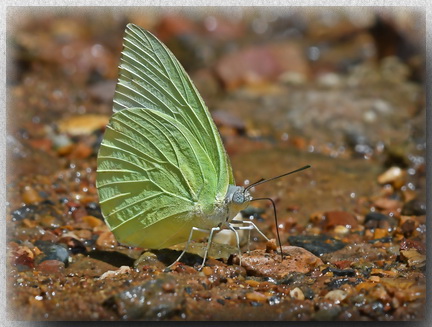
317,244
269,264
106,240
297,293
413,258
414,207
112,273
339,218
52,251
75,246
148,259
26,211
82,124
30,195
394,175
379,220
147,301
336,296
256,296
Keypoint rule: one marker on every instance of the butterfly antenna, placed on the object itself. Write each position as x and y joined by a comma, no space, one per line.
263,180
277,225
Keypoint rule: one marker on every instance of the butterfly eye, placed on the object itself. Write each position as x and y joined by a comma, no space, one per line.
238,197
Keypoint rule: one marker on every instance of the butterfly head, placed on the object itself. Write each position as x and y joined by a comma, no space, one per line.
237,199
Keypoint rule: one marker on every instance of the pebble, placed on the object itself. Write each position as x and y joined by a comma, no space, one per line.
52,251
413,258
148,301
393,175
317,244
112,273
342,218
414,207
388,204
297,293
92,221
379,220
268,264
336,295
380,233
82,124
25,212
106,240
341,230
256,296
30,195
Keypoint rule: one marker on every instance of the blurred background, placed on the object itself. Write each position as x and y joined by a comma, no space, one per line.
341,89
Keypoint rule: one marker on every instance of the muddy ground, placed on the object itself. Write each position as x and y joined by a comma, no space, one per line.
341,90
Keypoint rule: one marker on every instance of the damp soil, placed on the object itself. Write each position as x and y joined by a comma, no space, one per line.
286,89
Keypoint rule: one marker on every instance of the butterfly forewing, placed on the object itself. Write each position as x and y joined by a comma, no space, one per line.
151,77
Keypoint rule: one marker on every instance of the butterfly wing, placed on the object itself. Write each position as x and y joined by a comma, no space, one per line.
162,168
151,77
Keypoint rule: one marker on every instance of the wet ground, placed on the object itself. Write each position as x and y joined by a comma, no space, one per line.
340,90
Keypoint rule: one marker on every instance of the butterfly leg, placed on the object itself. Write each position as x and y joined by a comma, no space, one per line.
234,229
251,225
188,242
210,239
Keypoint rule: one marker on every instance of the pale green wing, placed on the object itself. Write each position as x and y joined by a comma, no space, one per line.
149,167
151,77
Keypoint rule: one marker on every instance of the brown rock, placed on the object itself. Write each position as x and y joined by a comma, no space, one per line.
106,240
30,195
268,263
335,218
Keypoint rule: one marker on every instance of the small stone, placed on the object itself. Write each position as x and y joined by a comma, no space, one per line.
30,195
149,300
335,218
387,204
317,244
393,175
25,212
379,220
336,295
83,234
52,251
106,240
112,273
297,293
414,207
380,233
207,271
269,264
82,124
92,221
413,258
256,296
341,230
252,282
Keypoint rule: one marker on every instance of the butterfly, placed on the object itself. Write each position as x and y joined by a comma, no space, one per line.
163,175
